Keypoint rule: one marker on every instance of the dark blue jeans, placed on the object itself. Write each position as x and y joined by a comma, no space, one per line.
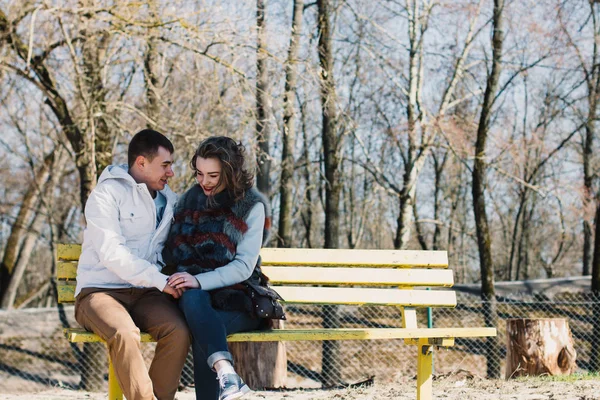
209,328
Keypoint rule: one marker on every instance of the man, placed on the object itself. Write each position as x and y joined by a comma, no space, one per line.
120,287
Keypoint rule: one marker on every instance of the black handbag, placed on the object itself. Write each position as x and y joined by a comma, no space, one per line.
265,301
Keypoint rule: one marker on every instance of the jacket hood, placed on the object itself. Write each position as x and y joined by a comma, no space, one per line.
116,172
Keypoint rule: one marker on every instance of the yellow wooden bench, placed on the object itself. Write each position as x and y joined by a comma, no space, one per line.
333,276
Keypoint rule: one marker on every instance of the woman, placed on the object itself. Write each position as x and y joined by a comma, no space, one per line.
219,227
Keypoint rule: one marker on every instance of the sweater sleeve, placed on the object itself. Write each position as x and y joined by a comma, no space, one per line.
248,249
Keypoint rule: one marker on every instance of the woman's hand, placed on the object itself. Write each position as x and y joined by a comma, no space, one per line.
183,280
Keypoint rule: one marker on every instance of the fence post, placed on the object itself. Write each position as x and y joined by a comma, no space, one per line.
430,325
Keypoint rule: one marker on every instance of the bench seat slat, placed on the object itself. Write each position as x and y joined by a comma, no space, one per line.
81,335
363,296
358,276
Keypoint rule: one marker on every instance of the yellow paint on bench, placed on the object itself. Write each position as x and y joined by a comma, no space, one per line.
352,257
66,270
424,370
364,296
324,257
433,336
114,390
65,292
79,335
329,295
68,252
358,276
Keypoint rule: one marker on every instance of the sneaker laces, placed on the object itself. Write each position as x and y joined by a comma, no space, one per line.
224,380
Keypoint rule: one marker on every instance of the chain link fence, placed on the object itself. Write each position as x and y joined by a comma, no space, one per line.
35,356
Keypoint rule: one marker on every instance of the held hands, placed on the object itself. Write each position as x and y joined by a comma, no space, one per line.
176,293
183,281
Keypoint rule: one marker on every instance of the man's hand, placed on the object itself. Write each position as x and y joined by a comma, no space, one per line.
176,293
183,280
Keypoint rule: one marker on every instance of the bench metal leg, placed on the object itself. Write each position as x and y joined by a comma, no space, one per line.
114,390
424,371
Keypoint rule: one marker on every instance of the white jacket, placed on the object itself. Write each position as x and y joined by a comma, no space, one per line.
121,244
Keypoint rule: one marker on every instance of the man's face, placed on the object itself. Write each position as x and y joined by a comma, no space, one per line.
157,172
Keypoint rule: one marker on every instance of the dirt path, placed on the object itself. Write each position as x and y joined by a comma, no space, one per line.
445,388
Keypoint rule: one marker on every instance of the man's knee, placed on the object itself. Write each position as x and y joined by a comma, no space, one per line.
125,337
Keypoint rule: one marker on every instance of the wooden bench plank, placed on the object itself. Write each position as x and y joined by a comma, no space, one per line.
364,296
328,295
353,257
66,270
358,276
324,257
80,335
328,276
65,292
68,252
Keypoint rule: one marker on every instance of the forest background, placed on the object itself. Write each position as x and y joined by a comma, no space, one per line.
467,126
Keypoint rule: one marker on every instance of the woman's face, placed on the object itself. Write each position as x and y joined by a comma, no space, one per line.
208,175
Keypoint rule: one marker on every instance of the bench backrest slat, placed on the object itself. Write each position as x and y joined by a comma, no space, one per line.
353,257
363,296
329,295
67,270
358,276
324,257
68,252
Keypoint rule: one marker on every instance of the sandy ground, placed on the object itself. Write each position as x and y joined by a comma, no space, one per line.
454,388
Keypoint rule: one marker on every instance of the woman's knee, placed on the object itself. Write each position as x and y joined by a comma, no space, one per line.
194,300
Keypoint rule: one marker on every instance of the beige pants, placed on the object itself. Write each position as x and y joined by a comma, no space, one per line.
117,315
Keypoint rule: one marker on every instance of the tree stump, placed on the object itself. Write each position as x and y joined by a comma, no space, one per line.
261,364
541,346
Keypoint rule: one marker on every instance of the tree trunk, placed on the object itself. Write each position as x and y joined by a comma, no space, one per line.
331,374
94,54
541,346
44,192
307,212
593,85
8,297
152,84
262,103
595,354
18,229
151,60
484,240
587,186
262,365
289,132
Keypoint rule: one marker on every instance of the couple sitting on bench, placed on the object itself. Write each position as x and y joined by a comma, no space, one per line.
174,271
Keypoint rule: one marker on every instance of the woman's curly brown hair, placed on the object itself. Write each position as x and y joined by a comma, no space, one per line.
235,177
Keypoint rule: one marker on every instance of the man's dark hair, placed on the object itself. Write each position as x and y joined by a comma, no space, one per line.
146,143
